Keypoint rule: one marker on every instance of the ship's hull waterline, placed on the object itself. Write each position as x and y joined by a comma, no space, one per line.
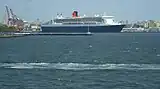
83,29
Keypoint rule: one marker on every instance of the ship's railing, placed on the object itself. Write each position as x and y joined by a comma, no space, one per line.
85,20
91,22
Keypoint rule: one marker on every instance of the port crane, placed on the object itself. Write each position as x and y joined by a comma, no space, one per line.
11,19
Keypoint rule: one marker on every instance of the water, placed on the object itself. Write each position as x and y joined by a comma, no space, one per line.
101,61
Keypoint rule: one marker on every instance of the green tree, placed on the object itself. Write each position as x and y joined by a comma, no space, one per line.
5,28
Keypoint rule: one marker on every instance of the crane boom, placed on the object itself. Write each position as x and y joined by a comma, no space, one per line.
8,15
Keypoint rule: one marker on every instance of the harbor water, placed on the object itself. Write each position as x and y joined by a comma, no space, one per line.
99,61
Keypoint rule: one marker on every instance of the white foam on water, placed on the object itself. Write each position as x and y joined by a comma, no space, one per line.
80,66
135,42
158,55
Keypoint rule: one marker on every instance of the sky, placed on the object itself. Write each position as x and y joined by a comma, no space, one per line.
130,10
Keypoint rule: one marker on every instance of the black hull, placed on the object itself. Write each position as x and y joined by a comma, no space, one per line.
83,29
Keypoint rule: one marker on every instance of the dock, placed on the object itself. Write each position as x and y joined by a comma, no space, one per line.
43,33
22,34
10,35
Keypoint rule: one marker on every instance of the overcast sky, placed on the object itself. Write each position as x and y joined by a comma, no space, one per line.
122,9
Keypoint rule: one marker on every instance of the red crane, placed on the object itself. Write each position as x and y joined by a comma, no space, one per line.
8,16
13,20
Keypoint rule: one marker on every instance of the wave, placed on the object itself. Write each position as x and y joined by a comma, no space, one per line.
80,66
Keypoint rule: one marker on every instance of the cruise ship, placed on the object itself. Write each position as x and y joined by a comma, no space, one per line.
82,24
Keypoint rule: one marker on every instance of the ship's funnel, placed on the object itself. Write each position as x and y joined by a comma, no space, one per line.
75,14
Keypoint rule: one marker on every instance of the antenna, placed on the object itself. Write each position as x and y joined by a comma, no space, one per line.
104,14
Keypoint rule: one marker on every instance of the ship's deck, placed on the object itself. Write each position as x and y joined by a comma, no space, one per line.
75,25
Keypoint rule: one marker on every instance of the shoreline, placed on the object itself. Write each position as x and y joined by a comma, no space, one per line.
22,34
10,35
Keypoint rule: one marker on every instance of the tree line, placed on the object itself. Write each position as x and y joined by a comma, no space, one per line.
5,28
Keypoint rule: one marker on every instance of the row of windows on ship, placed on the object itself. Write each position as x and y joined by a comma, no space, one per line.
79,22
91,22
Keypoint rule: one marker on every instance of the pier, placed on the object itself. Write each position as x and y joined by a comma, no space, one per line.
42,33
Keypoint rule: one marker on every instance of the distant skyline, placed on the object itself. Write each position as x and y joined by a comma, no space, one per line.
130,10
